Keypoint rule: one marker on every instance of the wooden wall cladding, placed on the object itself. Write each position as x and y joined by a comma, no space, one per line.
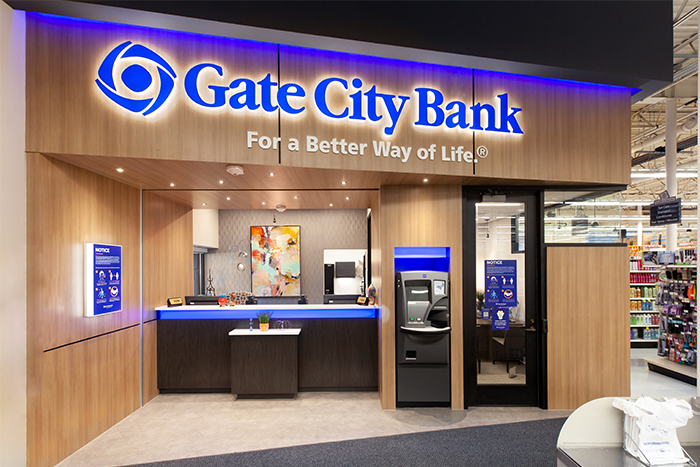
67,207
68,114
82,373
150,360
588,351
572,132
308,67
167,252
77,392
420,216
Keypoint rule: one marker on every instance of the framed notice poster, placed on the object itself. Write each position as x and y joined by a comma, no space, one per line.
103,279
501,283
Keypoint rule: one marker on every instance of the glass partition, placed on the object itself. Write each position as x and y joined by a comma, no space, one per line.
582,217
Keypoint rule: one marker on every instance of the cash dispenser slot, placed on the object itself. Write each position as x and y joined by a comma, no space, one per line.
423,338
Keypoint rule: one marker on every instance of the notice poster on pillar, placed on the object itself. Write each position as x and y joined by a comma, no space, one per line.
501,283
103,279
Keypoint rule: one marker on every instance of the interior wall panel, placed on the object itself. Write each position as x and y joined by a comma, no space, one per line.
588,351
420,216
67,207
167,271
82,373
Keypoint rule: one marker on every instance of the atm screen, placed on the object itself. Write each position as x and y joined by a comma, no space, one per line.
439,288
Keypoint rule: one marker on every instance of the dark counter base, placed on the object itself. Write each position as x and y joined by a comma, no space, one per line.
334,354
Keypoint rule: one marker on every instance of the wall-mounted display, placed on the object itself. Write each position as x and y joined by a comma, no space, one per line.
103,279
275,266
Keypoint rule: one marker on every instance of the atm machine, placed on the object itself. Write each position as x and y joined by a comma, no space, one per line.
422,339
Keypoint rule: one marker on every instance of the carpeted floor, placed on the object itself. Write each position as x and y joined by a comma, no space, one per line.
522,444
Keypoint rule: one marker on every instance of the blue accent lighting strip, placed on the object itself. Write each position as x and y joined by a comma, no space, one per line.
421,258
305,313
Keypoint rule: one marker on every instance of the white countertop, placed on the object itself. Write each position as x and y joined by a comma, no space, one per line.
269,332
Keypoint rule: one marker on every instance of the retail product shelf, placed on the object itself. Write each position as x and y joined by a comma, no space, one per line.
644,326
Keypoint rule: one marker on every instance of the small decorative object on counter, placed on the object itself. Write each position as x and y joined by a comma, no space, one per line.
264,320
223,301
211,291
283,324
372,294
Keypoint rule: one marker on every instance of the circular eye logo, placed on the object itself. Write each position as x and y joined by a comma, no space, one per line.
135,78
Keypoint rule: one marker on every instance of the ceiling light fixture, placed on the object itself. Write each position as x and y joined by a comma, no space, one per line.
172,184
272,174
204,204
235,170
120,170
347,198
221,182
263,203
425,180
343,182
331,205
281,208
296,197
228,198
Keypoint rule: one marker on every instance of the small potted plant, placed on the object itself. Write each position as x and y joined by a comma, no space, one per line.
264,320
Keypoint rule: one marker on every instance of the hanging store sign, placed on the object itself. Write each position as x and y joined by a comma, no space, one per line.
665,211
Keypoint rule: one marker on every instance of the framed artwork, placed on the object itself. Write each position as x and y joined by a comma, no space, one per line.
275,261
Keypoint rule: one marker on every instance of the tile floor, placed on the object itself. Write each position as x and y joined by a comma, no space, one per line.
179,426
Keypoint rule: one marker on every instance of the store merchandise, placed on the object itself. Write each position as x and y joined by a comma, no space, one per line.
644,319
676,301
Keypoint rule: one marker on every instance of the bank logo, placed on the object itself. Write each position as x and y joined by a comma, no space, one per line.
135,79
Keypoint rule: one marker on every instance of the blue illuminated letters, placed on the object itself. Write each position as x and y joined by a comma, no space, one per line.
334,97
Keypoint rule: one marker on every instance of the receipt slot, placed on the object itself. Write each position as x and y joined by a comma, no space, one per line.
422,339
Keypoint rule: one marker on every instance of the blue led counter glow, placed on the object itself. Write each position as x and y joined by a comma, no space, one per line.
278,311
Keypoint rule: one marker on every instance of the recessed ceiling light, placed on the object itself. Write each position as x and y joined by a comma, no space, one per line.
204,204
228,199
296,197
272,174
221,182
263,202
120,170
172,184
347,197
343,182
331,205
425,180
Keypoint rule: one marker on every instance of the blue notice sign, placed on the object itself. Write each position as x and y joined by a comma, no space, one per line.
500,319
501,283
103,279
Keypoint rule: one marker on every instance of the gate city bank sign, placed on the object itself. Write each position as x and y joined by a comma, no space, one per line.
132,86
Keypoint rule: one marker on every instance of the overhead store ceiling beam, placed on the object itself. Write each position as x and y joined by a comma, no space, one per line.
679,21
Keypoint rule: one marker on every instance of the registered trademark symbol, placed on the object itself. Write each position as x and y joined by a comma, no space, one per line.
482,152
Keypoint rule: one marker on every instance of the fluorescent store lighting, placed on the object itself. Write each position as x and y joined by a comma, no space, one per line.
661,174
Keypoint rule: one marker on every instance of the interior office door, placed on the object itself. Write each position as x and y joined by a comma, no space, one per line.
502,335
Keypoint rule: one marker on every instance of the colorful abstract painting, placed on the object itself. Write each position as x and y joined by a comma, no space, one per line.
275,266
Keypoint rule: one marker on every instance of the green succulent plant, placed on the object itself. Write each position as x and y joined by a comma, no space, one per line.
264,317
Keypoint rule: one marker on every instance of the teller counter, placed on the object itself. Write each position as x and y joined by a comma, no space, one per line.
337,348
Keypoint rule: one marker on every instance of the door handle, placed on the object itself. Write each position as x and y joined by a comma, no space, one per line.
530,329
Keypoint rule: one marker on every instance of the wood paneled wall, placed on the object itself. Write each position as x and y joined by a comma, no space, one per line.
572,132
419,216
167,270
588,351
82,373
